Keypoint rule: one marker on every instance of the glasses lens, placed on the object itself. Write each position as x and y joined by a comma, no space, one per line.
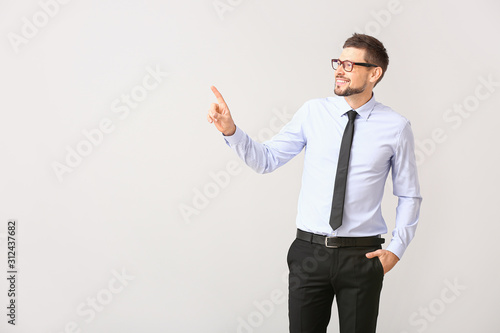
335,63
347,66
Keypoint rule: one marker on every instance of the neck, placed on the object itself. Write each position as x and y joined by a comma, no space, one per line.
357,100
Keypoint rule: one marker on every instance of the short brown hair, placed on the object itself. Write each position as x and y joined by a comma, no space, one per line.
375,52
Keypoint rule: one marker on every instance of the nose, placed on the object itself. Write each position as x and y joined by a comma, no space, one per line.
340,71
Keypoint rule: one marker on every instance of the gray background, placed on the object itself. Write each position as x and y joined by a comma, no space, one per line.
222,268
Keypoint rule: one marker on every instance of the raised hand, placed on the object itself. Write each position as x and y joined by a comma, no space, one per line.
219,115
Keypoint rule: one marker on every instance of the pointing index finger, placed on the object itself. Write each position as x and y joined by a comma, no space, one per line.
218,95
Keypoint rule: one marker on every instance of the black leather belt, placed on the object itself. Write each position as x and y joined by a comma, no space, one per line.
336,242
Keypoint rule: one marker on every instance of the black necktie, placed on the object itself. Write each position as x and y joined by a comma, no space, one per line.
341,178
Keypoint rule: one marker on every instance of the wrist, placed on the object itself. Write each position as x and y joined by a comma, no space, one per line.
230,132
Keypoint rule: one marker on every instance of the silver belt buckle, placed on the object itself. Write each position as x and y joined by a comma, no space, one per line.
332,246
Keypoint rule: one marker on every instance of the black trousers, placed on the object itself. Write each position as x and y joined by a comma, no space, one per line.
318,274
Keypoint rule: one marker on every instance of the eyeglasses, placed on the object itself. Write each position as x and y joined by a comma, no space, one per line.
348,65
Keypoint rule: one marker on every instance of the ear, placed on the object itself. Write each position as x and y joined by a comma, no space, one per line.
375,74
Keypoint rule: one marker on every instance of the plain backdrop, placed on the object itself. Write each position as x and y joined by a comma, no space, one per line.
157,226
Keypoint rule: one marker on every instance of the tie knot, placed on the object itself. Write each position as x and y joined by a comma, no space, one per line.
352,115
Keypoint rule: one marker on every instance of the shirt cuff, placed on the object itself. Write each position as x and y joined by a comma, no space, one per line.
397,249
236,138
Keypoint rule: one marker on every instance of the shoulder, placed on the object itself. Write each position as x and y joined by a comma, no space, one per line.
388,115
397,126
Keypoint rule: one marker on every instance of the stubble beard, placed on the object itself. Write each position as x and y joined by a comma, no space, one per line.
348,91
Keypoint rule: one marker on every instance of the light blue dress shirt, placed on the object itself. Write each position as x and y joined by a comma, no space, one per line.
383,139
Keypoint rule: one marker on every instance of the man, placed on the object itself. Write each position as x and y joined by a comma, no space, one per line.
351,143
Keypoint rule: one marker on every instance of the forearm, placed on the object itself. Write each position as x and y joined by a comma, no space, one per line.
256,155
407,216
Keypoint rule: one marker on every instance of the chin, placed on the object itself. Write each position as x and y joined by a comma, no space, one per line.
348,91
339,91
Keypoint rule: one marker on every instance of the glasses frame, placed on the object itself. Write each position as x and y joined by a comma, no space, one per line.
341,63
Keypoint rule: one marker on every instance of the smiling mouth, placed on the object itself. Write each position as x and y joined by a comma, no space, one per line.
341,82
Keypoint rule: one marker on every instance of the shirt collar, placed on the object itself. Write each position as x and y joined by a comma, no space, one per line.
363,111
